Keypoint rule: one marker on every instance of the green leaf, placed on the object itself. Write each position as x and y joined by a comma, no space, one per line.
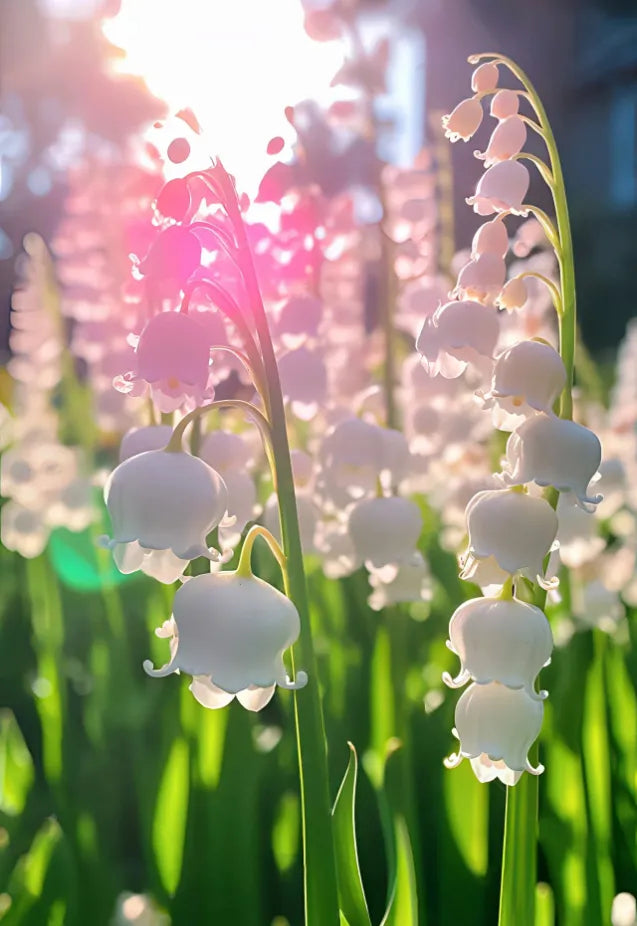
544,905
351,895
403,903
16,766
171,811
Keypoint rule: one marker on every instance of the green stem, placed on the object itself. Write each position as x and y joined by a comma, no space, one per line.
519,857
321,897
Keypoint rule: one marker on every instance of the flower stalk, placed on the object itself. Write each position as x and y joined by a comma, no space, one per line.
519,859
320,887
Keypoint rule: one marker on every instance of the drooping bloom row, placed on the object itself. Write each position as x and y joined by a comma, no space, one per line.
503,641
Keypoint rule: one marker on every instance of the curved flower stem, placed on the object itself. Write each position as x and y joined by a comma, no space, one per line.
543,170
174,444
550,285
257,530
321,897
567,319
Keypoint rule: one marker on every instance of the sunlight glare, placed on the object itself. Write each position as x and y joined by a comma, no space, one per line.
236,64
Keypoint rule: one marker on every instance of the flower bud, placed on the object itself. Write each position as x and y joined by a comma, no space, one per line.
516,529
500,640
501,188
231,629
385,530
485,77
554,451
464,121
497,725
505,103
491,238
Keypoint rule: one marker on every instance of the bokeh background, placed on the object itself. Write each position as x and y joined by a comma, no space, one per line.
65,90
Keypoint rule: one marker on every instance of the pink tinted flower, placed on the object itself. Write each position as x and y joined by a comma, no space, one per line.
514,294
491,238
501,188
481,278
507,140
173,358
485,77
505,103
464,121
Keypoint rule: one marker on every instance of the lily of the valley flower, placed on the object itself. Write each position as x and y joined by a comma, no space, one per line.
162,501
496,726
527,378
513,529
173,359
458,333
554,451
502,188
229,631
385,530
464,121
503,640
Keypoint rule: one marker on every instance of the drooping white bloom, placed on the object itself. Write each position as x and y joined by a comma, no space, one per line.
501,640
496,726
514,294
385,530
511,530
23,530
554,451
162,501
138,440
505,103
232,630
502,188
407,581
458,333
527,378
491,238
481,278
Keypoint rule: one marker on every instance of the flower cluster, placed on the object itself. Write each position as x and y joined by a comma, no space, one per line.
502,640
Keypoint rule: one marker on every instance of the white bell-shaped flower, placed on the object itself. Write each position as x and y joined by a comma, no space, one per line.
351,455
385,530
527,378
554,451
407,581
515,529
457,333
502,188
303,381
502,640
514,294
233,630
505,103
23,529
163,501
139,440
577,534
497,725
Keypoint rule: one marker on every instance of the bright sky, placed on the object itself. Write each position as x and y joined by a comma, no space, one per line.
236,63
